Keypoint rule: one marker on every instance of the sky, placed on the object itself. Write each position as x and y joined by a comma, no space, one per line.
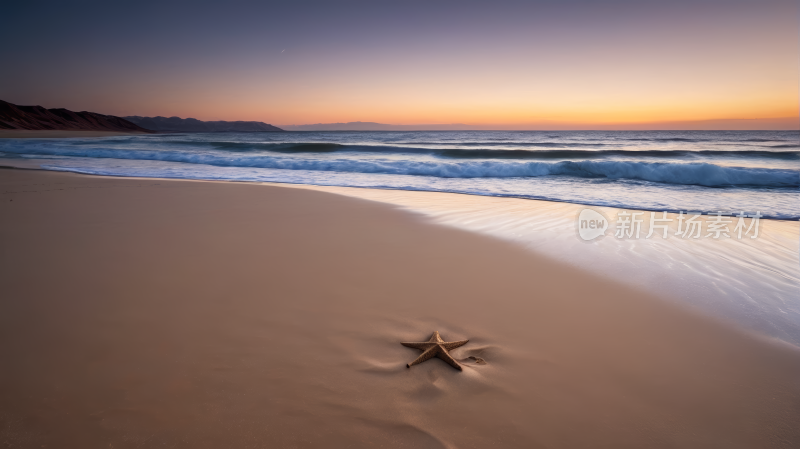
701,64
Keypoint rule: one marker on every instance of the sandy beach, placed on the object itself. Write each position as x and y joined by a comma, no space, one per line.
173,313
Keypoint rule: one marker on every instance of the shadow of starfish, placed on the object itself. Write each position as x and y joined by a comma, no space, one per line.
436,347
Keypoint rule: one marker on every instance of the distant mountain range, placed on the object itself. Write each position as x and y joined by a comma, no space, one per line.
39,118
191,125
372,126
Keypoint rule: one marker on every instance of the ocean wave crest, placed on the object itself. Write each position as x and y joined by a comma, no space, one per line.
484,153
703,174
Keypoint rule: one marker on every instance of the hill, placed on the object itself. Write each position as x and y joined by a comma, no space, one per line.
38,118
191,125
372,126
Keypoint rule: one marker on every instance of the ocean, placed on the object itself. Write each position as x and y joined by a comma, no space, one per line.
485,181
654,171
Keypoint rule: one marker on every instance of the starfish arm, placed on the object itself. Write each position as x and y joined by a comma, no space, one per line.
428,354
449,359
454,344
422,346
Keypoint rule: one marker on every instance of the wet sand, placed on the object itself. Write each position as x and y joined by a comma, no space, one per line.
752,282
160,313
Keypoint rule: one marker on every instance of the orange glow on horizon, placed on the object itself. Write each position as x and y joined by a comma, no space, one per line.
497,99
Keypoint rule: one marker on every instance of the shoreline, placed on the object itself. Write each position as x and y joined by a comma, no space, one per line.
22,165
224,313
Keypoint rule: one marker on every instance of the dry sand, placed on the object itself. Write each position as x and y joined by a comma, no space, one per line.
57,134
156,313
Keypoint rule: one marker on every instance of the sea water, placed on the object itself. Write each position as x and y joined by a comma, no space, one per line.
753,282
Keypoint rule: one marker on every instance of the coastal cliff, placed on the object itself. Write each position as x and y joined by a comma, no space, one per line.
14,117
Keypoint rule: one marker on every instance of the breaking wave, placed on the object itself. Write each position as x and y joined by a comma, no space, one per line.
565,151
485,150
682,173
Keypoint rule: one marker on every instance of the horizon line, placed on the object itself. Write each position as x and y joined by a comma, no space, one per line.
791,123
536,126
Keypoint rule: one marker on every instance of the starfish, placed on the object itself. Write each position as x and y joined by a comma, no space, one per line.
436,347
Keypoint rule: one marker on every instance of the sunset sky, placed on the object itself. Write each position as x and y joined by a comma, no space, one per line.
522,65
